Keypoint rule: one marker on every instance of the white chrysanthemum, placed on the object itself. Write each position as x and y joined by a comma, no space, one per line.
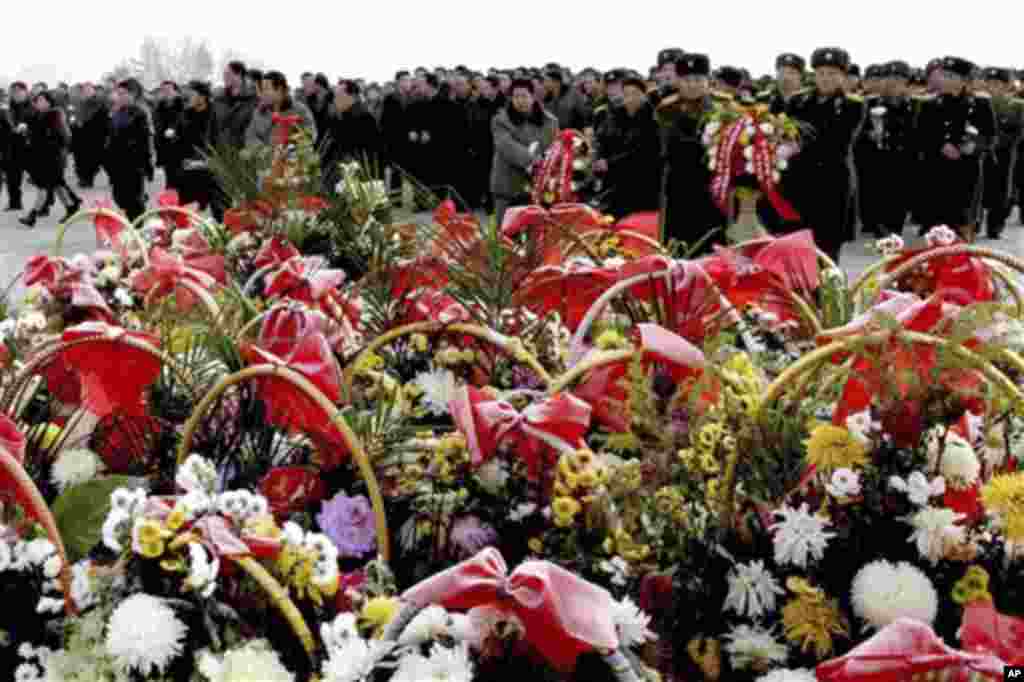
883,592
256,660
355,661
116,528
144,634
38,551
633,625
438,389
752,590
52,566
443,665
197,473
957,460
428,624
799,536
940,235
49,605
619,570
918,488
936,532
28,672
128,501
75,466
81,585
797,675
845,483
749,646
337,633
6,556
202,571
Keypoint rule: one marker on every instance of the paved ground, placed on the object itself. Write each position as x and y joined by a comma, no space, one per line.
19,243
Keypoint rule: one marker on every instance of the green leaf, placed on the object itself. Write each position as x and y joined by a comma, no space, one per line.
80,512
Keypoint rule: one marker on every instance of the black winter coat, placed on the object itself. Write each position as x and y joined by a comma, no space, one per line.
128,149
166,116
231,118
48,141
631,146
349,136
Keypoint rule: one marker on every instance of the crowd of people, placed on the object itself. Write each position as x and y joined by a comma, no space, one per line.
936,145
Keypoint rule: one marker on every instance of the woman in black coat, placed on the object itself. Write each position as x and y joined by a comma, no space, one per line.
188,149
49,139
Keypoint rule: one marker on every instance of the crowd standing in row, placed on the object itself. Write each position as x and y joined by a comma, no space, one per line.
938,145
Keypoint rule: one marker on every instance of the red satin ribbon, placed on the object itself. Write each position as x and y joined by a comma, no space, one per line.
563,615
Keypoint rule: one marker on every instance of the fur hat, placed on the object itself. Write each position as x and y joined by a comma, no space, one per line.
730,75
669,55
830,56
791,60
995,73
958,65
693,64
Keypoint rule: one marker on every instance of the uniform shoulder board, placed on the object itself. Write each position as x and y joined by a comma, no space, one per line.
927,97
718,94
600,108
765,95
854,97
981,94
668,101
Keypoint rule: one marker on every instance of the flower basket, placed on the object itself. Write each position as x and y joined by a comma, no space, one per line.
107,213
509,345
331,414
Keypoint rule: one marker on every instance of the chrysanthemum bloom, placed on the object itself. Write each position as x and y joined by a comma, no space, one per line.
834,447
883,592
810,620
1004,496
144,634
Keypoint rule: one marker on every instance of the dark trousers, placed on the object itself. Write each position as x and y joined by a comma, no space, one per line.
884,200
15,175
998,182
88,159
129,192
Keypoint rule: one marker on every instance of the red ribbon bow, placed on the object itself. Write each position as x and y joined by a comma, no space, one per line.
554,425
905,648
563,615
66,282
275,252
108,228
283,126
164,274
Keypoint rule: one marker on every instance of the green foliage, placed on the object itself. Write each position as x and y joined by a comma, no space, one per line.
80,512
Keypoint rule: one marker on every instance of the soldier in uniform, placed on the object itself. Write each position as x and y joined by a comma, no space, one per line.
953,132
1001,161
853,80
728,80
823,167
884,152
688,212
874,81
789,74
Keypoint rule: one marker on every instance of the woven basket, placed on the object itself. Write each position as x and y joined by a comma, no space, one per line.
93,213
509,345
207,300
624,666
588,241
991,257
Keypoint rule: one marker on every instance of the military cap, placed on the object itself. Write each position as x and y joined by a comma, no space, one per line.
669,55
958,65
521,84
853,70
635,82
793,61
898,69
830,56
19,85
875,71
917,77
730,75
613,76
994,73
201,88
693,64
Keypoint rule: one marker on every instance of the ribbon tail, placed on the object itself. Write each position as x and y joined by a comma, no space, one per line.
783,207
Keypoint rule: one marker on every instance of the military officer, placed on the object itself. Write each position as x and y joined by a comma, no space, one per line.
789,74
688,212
822,170
885,152
1001,161
953,131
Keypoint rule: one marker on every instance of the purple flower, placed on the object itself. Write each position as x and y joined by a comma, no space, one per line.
469,535
349,523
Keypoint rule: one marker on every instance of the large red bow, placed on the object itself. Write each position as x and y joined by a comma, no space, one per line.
563,615
304,279
603,388
905,648
568,289
275,252
108,227
545,227
169,198
164,273
298,342
114,375
554,425
986,631
963,278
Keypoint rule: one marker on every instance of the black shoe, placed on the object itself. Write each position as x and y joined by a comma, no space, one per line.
44,212
29,220
14,207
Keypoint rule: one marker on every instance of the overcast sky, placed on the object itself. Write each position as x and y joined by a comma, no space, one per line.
81,40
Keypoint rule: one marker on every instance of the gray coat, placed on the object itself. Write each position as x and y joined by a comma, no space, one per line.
513,135
262,126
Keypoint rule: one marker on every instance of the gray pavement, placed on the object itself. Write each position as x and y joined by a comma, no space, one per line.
18,244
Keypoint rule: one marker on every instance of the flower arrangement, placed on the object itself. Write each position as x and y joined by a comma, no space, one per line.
749,147
563,173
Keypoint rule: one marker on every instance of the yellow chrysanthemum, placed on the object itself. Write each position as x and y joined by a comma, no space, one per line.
378,612
176,519
1004,495
812,622
536,545
152,550
150,531
834,447
565,507
419,343
972,587
611,339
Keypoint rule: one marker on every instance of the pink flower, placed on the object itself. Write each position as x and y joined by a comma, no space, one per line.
350,524
469,535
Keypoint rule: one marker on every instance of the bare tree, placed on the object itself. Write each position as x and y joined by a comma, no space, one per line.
158,61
